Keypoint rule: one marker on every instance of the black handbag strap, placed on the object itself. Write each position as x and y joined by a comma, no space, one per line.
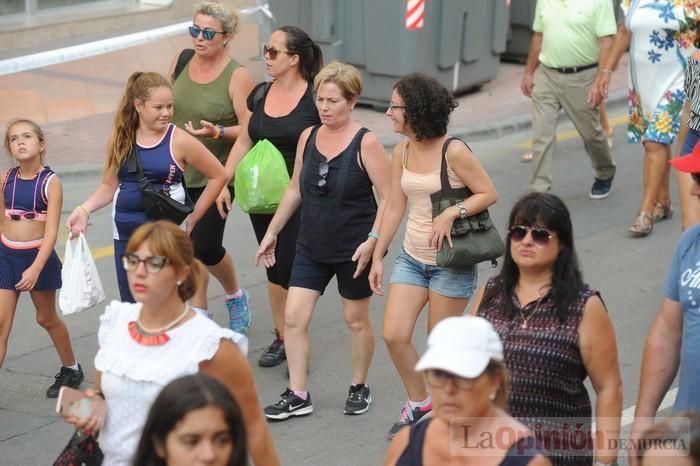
133,165
182,60
444,179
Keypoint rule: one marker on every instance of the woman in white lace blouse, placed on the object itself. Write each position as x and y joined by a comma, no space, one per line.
145,345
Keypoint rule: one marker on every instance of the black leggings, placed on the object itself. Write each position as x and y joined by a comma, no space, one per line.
208,233
286,247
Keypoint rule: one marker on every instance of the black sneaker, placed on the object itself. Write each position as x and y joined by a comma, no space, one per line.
274,355
68,377
408,417
359,399
601,188
289,405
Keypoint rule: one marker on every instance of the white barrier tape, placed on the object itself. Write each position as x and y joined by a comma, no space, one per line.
90,49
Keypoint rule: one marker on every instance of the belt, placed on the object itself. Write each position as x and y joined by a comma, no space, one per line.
573,69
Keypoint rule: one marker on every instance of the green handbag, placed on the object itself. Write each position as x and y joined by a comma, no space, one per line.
474,239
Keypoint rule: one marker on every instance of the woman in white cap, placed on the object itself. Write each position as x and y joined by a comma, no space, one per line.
463,367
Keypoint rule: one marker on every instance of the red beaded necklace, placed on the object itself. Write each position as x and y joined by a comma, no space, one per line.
153,337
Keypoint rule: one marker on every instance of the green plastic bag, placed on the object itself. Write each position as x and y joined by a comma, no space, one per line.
261,179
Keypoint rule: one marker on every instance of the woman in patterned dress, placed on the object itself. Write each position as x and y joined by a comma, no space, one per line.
660,36
556,332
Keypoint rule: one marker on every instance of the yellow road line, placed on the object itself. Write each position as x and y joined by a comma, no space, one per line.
101,253
566,135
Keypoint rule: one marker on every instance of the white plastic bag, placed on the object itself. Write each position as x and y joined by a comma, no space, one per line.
82,287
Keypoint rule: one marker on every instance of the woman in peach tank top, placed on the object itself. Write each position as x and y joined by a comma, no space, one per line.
420,109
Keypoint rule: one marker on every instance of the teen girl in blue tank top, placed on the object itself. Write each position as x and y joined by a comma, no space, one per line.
143,124
165,174
31,199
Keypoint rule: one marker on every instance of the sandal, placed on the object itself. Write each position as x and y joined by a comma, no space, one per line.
640,227
526,157
662,212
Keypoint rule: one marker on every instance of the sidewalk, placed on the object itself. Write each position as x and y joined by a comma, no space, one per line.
75,102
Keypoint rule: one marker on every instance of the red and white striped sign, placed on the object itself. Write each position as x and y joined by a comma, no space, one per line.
415,14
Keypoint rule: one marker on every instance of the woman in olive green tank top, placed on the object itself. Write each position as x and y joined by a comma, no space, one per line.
210,91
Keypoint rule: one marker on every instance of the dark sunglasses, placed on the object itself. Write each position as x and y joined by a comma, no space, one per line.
696,177
323,173
539,235
273,52
153,264
27,215
207,33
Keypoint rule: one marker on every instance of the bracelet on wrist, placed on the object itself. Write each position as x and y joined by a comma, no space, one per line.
606,70
83,210
372,234
219,132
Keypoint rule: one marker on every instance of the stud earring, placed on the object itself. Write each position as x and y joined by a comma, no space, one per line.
179,283
492,396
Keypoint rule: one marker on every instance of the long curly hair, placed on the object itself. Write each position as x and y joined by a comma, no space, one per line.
428,105
567,280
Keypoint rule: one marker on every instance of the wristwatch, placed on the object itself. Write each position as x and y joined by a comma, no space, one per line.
462,210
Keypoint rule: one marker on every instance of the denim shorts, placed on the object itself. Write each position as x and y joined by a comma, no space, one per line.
450,282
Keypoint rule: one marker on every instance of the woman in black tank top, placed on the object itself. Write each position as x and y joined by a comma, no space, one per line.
281,110
337,164
464,368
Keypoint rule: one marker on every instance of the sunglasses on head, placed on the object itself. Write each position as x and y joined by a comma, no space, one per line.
272,52
323,173
153,264
207,33
539,235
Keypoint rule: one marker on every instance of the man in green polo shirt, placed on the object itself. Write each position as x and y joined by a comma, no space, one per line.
570,38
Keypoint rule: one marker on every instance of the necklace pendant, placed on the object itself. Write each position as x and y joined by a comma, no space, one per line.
523,325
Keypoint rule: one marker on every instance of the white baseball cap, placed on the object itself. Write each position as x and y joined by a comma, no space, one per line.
462,346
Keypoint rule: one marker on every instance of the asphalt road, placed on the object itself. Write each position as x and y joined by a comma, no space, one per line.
628,272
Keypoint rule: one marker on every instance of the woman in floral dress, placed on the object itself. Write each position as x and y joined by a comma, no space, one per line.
660,36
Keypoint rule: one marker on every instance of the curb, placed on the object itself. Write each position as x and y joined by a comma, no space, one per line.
473,133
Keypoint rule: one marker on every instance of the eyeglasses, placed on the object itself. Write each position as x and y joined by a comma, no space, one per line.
26,215
323,173
438,379
153,264
393,106
207,33
540,236
696,177
273,52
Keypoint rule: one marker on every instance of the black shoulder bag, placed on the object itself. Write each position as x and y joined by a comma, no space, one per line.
156,204
475,238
